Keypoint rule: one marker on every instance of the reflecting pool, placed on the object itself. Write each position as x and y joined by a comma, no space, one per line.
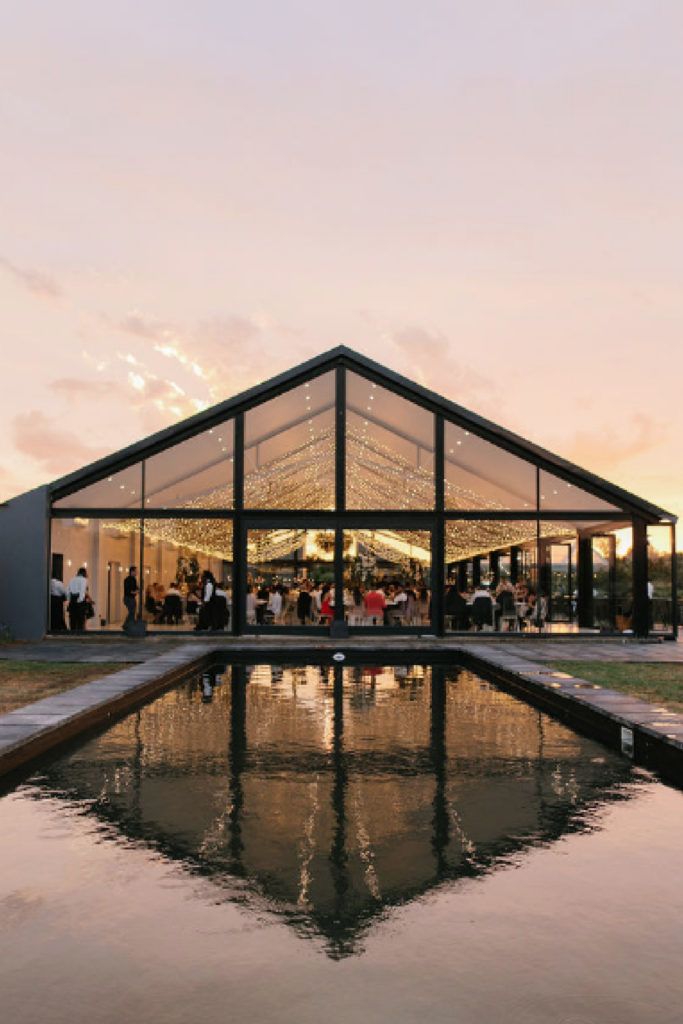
293,843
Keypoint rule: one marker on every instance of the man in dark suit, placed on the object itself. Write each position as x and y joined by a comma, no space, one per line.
130,594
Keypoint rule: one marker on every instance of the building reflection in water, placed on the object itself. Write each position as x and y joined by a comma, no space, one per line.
330,794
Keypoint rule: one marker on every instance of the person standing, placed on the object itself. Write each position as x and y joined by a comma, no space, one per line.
130,596
77,591
57,599
206,609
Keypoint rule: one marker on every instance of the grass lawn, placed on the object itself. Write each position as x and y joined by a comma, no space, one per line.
22,682
660,684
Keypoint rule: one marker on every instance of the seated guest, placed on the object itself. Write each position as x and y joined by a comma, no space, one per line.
172,609
262,597
304,604
251,606
327,605
374,604
505,596
455,607
482,608
275,603
152,606
192,602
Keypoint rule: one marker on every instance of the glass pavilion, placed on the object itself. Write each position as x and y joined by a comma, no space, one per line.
342,474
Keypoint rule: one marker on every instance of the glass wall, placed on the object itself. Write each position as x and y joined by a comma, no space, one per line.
660,582
290,578
289,449
196,473
389,449
479,475
177,553
387,577
573,574
491,577
120,490
104,550
557,495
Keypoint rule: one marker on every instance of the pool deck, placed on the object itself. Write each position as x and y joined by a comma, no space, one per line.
649,733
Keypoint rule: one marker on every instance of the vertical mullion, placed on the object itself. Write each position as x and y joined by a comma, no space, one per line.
538,550
339,488
639,569
239,551
141,586
674,584
340,439
438,539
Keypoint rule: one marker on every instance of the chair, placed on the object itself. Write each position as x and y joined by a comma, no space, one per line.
482,612
172,610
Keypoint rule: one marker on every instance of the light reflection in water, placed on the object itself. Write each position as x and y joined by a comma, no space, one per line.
331,794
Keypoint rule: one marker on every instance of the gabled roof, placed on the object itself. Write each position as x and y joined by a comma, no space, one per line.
342,355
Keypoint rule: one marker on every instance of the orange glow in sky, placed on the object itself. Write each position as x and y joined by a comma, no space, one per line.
484,197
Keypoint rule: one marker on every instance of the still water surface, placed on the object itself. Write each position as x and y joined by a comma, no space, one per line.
341,844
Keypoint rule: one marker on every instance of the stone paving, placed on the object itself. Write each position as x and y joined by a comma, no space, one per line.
106,648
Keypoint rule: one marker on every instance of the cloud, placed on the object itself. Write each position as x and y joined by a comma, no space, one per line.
75,388
604,446
34,280
57,450
431,361
226,354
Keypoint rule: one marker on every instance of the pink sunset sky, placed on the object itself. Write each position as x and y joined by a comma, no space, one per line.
486,197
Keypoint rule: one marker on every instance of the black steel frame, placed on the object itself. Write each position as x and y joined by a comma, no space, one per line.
632,511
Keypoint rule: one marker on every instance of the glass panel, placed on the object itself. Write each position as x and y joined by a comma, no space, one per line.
105,550
557,494
603,553
120,490
624,579
289,449
178,552
660,589
491,576
585,576
480,475
194,474
290,577
389,449
387,577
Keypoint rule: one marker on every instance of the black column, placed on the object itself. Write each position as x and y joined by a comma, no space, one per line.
584,582
239,546
338,625
641,603
438,533
494,567
674,584
476,570
514,565
612,578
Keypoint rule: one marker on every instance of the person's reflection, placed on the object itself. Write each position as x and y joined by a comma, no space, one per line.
207,687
